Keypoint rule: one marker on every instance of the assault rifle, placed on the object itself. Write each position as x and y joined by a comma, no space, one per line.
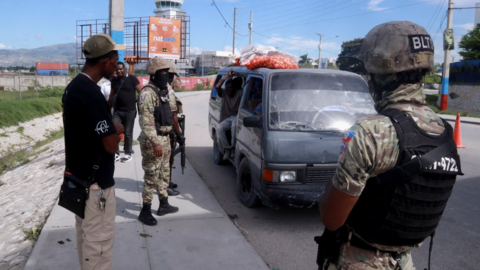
180,149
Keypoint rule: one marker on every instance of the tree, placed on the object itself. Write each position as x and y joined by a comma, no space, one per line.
213,72
304,60
470,45
347,58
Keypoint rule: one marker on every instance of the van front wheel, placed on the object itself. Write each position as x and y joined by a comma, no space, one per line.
245,187
217,155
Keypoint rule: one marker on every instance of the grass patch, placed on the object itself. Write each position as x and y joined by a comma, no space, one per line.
19,158
135,142
14,111
432,103
20,129
4,135
33,233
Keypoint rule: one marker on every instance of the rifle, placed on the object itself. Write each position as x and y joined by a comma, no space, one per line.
180,149
329,245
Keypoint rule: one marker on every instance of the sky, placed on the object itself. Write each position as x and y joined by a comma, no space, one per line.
290,25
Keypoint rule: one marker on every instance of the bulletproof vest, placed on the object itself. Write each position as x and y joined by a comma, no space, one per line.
163,113
404,205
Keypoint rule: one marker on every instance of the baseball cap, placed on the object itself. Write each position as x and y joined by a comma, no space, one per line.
99,45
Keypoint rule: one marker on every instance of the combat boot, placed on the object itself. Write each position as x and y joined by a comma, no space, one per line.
146,216
172,192
172,185
166,208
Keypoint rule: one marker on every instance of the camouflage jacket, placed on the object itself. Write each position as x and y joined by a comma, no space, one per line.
172,98
147,102
371,147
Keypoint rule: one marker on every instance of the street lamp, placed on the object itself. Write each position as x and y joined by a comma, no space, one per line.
320,48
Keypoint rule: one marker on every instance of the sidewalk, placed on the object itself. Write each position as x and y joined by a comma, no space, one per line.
463,119
199,236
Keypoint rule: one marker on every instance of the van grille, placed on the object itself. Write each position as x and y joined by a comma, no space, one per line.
319,175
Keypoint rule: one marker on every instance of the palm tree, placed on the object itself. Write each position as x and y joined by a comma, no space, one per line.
304,60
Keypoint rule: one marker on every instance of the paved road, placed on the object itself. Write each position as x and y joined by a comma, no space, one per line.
284,238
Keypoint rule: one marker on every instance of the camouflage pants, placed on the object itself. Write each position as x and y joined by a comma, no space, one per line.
353,258
157,169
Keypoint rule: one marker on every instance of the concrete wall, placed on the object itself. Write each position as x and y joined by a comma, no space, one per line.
27,82
469,99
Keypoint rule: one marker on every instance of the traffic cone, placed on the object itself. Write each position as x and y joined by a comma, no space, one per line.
121,136
457,133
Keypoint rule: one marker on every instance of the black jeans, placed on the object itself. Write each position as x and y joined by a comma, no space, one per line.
127,119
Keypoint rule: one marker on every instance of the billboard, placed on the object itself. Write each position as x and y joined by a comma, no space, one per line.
164,38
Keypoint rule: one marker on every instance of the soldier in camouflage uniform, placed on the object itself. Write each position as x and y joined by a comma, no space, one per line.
178,136
156,122
371,146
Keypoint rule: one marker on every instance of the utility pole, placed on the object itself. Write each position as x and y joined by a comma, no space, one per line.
234,29
319,51
250,26
446,63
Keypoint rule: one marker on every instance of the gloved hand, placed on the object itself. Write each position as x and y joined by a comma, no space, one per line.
180,139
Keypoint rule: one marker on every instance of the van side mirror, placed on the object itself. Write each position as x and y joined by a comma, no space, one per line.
252,121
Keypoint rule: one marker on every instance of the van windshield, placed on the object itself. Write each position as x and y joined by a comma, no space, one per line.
317,102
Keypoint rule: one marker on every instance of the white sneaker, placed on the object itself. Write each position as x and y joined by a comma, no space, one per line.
117,157
126,158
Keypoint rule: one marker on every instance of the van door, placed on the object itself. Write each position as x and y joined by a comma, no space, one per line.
215,105
249,140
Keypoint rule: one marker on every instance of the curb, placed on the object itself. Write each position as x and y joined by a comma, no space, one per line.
463,121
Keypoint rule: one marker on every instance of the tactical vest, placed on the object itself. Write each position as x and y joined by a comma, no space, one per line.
163,113
404,205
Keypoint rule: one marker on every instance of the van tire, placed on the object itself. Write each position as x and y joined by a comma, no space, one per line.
245,187
217,155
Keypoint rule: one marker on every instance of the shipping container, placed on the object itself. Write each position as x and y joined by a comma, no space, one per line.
52,66
49,72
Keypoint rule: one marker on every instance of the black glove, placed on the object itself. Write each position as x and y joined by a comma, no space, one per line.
180,139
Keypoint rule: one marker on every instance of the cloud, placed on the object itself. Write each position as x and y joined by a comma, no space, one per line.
4,47
67,37
373,5
467,26
195,50
38,36
228,48
303,44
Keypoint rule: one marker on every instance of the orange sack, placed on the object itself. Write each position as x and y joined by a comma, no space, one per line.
272,62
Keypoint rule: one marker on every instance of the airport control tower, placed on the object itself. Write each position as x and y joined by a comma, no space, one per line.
170,9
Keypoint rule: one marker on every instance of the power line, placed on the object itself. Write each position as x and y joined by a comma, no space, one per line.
355,15
214,4
312,7
435,15
318,15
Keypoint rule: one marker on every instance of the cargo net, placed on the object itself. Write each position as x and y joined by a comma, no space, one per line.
256,56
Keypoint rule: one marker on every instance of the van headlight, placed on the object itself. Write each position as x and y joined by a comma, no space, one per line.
288,176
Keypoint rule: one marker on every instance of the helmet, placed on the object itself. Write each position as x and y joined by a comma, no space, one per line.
395,47
173,68
157,63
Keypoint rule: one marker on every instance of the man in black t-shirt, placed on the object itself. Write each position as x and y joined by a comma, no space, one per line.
123,94
90,138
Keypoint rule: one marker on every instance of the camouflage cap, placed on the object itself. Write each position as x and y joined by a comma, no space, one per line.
99,45
173,68
397,46
157,63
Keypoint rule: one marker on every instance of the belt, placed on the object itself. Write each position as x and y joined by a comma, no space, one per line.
159,133
359,243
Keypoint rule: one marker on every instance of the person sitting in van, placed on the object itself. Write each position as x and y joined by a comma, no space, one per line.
231,98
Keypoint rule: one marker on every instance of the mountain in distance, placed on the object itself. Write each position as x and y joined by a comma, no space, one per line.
28,57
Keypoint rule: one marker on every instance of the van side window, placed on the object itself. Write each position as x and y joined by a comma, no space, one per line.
253,95
214,90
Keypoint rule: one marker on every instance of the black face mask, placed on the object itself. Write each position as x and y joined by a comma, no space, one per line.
160,80
171,76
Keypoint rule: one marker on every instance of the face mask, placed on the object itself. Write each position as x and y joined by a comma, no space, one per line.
160,80
171,76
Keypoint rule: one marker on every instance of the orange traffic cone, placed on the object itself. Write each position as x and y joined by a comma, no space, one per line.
457,133
121,136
